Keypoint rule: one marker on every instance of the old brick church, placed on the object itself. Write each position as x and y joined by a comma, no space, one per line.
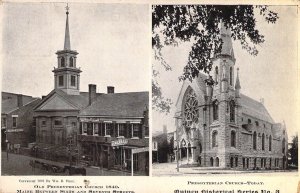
218,126
109,130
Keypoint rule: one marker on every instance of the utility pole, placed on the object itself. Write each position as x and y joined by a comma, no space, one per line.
177,141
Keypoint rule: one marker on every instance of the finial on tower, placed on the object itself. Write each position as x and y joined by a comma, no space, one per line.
67,45
67,8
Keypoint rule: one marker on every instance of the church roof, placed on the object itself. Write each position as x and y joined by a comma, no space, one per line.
79,101
255,109
131,104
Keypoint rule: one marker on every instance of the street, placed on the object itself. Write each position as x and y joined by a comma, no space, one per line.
169,169
19,165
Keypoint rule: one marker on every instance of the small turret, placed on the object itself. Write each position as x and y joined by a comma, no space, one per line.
209,87
237,85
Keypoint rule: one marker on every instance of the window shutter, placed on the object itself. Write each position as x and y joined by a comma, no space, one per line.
140,131
114,132
127,130
80,127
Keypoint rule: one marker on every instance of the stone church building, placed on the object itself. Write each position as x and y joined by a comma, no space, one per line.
109,130
218,126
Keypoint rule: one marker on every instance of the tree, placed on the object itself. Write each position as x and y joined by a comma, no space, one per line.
293,151
199,24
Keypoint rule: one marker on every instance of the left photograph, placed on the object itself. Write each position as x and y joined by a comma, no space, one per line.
75,89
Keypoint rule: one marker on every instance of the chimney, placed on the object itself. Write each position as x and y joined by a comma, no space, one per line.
110,90
43,96
20,100
92,93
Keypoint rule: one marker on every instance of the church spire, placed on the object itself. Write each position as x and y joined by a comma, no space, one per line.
67,45
227,48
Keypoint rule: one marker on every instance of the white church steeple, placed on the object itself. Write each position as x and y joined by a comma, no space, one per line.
67,75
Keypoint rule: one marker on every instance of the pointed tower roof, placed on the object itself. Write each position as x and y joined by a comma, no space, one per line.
227,48
237,82
67,45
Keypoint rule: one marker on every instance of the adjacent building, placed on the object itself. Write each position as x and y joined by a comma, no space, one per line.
163,143
17,123
218,126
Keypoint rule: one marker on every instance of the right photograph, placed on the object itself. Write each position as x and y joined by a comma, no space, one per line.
224,90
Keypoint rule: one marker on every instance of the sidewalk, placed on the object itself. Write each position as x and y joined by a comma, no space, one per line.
170,169
19,165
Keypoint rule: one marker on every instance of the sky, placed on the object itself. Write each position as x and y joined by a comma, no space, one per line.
271,75
114,45
112,41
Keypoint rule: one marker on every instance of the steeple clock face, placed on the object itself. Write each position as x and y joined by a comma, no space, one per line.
190,108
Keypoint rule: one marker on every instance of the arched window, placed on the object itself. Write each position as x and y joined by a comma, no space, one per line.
190,108
217,75
215,110
231,76
71,62
249,121
232,111
62,62
283,145
233,139
270,143
217,162
254,140
255,162
236,161
214,139
231,162
211,162
263,142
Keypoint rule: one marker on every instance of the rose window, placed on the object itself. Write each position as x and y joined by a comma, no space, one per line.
191,111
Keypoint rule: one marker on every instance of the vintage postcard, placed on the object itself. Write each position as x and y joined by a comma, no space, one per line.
149,96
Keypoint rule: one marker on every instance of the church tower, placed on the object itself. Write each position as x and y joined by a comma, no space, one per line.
67,75
223,63
222,105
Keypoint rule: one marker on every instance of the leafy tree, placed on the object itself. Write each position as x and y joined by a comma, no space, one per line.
199,24
293,151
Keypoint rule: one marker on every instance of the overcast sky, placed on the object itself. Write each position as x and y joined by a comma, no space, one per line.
271,75
112,40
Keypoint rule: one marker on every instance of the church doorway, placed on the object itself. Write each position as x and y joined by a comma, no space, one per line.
183,152
58,135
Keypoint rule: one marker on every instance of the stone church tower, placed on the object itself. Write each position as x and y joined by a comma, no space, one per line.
224,118
67,75
215,122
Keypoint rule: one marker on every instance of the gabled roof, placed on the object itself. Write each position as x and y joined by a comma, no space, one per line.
26,110
78,101
9,101
200,80
131,104
255,109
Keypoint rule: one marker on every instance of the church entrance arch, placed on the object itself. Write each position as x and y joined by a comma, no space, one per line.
183,149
